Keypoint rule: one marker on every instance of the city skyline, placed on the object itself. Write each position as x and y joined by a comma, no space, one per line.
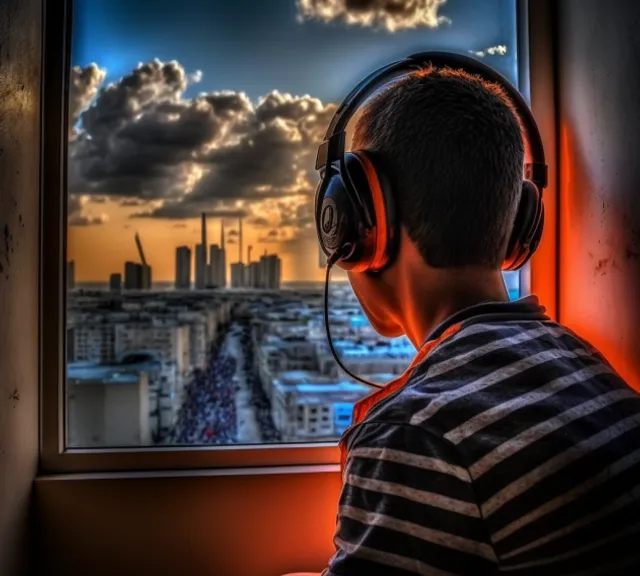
224,115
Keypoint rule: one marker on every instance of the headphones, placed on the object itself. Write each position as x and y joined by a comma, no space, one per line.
354,207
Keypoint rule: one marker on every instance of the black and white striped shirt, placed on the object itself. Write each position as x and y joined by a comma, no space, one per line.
512,447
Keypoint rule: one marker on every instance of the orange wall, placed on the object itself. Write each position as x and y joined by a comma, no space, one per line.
264,525
599,140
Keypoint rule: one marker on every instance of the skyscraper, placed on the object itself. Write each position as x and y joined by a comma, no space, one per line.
144,272
252,275
223,262
115,282
270,271
132,276
201,266
237,275
183,268
216,263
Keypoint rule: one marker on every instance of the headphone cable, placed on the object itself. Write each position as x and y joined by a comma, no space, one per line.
330,262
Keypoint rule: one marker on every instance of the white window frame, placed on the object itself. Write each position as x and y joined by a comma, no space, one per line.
55,457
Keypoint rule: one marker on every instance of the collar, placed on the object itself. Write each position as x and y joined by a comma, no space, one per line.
527,308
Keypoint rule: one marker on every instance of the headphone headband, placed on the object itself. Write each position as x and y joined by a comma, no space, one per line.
332,148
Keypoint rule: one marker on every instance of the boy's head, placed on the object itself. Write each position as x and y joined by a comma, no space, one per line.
451,146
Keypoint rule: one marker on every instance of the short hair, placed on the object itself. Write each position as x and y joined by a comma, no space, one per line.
451,145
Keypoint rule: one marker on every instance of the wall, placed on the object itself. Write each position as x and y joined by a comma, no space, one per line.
599,121
20,61
253,525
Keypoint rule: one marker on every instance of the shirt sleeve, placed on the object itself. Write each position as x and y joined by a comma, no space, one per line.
407,507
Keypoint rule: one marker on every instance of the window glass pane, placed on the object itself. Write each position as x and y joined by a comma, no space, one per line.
194,282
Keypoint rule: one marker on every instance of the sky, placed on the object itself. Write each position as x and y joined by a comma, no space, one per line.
179,107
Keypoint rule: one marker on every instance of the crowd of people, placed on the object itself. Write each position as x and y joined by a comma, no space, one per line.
208,412
259,400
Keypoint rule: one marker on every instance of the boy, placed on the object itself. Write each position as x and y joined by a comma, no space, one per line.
510,445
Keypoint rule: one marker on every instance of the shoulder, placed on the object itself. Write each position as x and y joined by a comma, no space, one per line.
483,365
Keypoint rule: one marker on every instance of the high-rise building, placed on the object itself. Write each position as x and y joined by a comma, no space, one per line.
270,271
201,266
252,275
216,267
183,268
144,272
115,282
146,277
223,263
71,275
237,275
132,276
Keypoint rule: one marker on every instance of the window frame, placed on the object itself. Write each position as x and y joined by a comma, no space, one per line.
55,458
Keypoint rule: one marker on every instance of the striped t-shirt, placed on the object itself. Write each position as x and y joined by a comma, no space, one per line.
512,447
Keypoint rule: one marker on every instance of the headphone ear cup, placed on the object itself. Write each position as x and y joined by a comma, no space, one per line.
336,222
373,192
527,228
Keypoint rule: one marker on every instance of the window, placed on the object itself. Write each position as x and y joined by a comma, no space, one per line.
193,293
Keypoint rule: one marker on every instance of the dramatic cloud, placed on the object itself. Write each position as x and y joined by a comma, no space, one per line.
273,237
500,50
391,15
140,136
181,211
143,142
133,202
83,87
77,214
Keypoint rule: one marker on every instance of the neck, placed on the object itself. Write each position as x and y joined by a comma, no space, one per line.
430,296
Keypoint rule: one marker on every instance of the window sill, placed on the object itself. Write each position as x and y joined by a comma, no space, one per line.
257,471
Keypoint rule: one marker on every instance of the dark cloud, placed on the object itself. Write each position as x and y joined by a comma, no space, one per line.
132,202
141,140
179,211
233,233
97,199
77,215
272,236
83,87
231,241
140,135
259,222
300,216
391,15
180,225
273,157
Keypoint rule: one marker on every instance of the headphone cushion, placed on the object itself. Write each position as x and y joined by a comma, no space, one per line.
526,227
373,191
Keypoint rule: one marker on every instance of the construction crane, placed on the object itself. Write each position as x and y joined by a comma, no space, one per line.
140,250
249,254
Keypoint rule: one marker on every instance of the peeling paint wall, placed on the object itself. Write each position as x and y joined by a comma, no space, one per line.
20,68
599,143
